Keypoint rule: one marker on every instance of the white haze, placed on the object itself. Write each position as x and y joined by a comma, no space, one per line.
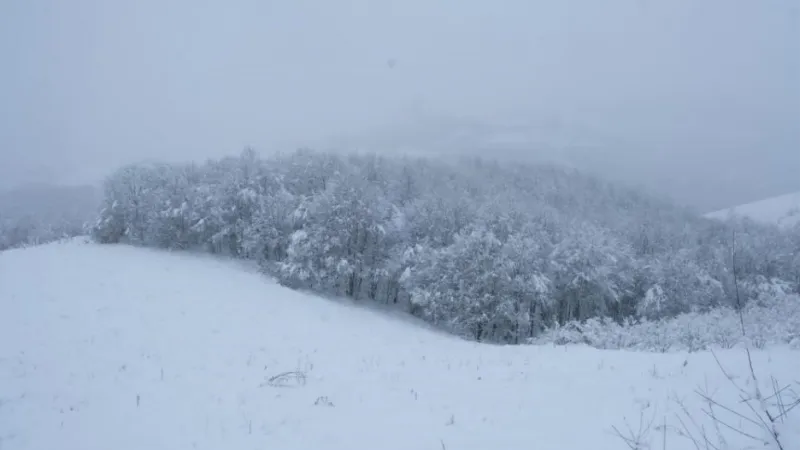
697,100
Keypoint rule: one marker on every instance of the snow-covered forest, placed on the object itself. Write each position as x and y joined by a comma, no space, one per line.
492,251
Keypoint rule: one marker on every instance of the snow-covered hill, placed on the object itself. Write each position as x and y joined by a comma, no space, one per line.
783,210
114,347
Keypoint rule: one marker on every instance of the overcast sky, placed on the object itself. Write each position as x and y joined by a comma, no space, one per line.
699,99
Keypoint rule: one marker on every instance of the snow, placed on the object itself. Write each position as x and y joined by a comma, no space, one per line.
115,347
782,210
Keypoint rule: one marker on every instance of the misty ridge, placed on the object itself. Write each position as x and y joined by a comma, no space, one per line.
696,101
492,251
35,214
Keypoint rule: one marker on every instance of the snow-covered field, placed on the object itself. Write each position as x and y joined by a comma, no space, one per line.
783,210
113,347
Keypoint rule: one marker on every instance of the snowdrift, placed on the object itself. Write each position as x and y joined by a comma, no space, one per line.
783,210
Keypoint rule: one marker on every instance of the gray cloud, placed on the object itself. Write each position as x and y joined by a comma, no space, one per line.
698,100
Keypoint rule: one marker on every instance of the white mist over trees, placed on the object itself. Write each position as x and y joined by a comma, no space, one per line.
37,214
495,252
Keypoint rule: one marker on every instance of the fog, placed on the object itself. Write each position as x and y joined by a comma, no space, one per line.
697,100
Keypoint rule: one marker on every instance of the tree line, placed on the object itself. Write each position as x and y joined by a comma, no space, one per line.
493,251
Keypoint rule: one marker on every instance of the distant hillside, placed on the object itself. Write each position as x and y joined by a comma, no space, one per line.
783,210
38,213
494,251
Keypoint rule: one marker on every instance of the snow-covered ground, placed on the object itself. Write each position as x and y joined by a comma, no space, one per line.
783,210
113,347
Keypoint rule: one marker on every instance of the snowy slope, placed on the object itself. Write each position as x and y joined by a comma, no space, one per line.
783,210
112,347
